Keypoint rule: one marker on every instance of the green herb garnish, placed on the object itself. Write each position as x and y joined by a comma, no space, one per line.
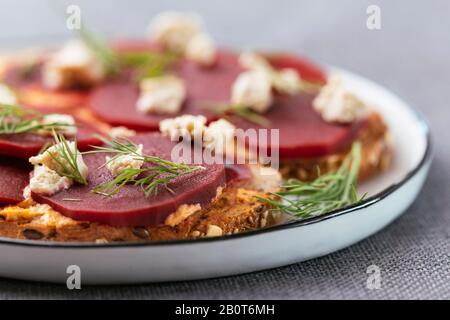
144,64
16,119
246,113
66,158
148,64
327,193
101,50
149,179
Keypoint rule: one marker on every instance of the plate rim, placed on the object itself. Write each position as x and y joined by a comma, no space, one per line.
427,157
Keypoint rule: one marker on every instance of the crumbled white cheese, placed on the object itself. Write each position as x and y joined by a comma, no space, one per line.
48,182
127,161
7,96
75,65
252,89
51,158
265,179
287,81
121,132
185,127
67,122
201,49
174,30
163,95
218,135
336,103
252,61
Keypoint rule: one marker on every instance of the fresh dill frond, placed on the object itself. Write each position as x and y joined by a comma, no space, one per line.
100,48
16,119
66,158
327,193
148,64
144,64
160,173
246,113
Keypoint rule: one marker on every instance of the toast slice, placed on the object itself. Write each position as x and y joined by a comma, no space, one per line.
235,210
376,155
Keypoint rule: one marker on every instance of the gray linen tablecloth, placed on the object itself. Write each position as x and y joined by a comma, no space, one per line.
410,55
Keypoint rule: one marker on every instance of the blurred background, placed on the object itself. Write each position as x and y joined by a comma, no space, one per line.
409,54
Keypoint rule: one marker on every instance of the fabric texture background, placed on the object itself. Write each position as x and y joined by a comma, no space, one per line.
410,55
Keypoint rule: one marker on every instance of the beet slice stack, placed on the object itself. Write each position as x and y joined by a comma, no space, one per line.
115,101
303,133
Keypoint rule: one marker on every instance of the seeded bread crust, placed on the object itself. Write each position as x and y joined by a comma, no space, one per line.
376,147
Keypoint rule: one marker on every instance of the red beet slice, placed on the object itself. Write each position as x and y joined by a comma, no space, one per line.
33,93
14,177
25,145
303,133
305,68
130,207
124,45
115,101
237,174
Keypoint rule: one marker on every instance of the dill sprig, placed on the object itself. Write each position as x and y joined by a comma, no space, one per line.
161,173
16,119
327,193
148,64
101,50
66,158
246,113
144,64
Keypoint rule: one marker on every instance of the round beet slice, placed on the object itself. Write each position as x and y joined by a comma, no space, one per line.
115,101
14,177
25,145
302,131
308,70
28,82
130,207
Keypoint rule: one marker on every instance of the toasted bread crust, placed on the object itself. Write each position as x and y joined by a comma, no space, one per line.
235,210
376,155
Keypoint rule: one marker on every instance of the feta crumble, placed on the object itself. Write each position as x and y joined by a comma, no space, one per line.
336,103
51,158
185,127
252,89
162,95
118,164
174,30
121,132
286,80
252,61
201,49
47,182
67,122
218,135
7,96
75,65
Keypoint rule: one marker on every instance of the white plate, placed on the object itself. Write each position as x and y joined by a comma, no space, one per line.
392,193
